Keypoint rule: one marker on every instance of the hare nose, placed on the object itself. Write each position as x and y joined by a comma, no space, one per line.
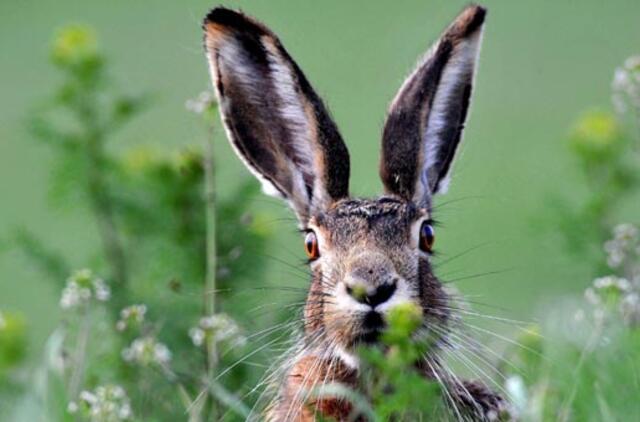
379,295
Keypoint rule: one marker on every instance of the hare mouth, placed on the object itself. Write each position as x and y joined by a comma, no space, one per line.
373,326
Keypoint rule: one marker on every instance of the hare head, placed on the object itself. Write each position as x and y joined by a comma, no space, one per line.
366,255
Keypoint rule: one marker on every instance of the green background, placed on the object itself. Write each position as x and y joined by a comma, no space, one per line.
542,65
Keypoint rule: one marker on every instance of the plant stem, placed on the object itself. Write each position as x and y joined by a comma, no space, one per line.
100,198
103,212
210,282
79,356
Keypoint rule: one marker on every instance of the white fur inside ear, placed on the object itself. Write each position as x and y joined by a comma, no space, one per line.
461,66
291,106
232,59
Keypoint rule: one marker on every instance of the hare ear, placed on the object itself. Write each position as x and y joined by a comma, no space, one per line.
275,121
425,121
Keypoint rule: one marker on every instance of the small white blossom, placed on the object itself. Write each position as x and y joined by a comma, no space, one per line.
133,314
626,85
515,386
88,397
611,282
146,351
219,328
201,103
630,309
72,407
619,293
161,353
197,335
108,403
103,293
591,296
623,251
81,287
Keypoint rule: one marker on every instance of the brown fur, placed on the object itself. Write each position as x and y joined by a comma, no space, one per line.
309,372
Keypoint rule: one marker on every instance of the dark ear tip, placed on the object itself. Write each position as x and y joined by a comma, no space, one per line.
223,17
470,20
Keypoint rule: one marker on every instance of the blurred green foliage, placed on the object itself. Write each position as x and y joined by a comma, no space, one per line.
604,150
580,363
149,207
12,342
397,390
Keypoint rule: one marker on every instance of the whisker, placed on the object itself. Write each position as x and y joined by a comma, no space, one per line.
478,275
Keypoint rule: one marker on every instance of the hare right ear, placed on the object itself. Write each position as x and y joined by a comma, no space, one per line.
425,121
275,121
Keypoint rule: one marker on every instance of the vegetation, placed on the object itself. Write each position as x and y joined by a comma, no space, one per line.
169,341
132,330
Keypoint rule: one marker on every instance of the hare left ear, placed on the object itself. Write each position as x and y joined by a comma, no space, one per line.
425,121
275,121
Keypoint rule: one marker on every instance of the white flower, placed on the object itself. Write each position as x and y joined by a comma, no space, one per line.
131,314
103,293
70,296
517,390
626,85
81,287
201,103
630,309
591,296
624,248
125,411
218,327
88,397
72,407
197,335
107,403
611,282
161,353
146,351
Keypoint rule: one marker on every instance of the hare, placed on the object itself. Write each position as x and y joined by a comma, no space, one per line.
366,255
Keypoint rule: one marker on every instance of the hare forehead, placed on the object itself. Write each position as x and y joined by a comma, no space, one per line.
384,221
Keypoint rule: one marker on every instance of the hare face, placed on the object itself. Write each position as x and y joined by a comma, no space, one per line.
369,260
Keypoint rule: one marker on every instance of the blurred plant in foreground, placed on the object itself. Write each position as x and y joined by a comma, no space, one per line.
12,343
169,248
607,149
584,366
626,91
391,387
106,404
396,388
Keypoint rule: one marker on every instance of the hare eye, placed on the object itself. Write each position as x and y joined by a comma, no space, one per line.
311,245
427,237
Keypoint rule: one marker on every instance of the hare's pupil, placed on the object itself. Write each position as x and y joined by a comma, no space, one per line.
427,237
